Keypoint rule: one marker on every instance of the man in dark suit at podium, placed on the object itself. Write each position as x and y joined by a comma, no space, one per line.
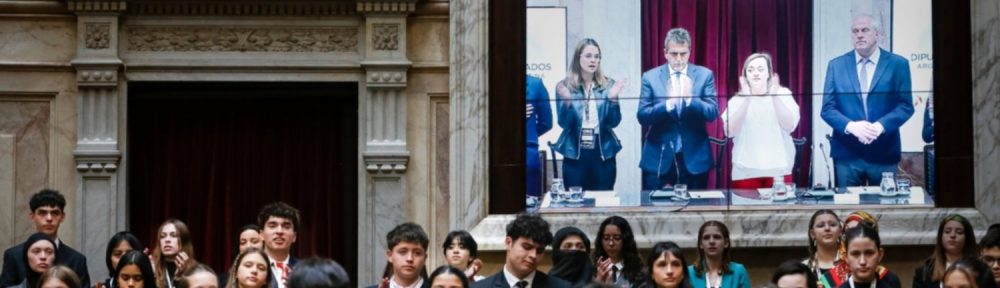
47,212
866,98
526,239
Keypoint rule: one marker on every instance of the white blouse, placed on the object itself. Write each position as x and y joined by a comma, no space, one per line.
762,148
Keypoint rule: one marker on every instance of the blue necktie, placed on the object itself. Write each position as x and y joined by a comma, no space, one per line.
680,104
864,84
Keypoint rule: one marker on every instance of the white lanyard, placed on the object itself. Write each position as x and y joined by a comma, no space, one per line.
851,281
590,117
170,282
708,281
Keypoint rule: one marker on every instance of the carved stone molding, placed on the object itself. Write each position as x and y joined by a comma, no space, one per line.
89,165
253,8
387,6
242,39
392,77
97,77
79,6
386,163
386,36
33,7
98,35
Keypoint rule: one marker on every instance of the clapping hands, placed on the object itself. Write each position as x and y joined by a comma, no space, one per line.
617,88
678,91
604,269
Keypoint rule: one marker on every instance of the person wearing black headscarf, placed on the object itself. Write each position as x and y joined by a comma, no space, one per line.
571,257
42,253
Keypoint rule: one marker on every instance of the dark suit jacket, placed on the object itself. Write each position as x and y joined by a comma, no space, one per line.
541,281
541,120
276,278
14,269
890,102
664,126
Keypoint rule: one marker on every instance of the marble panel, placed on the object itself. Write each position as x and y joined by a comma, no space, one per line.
388,209
424,93
98,222
27,121
986,105
38,39
8,218
57,169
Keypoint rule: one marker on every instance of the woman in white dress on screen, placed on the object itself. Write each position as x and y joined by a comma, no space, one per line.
760,119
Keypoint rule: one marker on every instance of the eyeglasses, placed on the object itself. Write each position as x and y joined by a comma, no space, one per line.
612,238
990,260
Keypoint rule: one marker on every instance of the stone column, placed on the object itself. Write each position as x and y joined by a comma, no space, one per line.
469,161
383,195
97,154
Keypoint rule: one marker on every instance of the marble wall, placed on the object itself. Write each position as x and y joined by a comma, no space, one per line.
24,155
986,105
37,118
426,93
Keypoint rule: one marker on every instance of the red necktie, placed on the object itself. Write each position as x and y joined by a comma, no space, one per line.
284,270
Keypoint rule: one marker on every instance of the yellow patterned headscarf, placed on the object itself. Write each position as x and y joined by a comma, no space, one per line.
842,270
863,217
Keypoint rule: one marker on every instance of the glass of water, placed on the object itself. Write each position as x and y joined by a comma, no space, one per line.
557,190
903,184
575,194
680,190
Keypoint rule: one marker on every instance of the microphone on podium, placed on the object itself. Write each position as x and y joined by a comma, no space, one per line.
826,161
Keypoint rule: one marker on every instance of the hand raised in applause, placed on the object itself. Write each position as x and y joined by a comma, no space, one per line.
473,269
617,89
604,269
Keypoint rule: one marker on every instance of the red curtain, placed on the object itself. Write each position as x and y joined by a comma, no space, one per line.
213,154
724,33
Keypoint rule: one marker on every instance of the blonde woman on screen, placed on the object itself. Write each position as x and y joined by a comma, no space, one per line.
588,111
760,119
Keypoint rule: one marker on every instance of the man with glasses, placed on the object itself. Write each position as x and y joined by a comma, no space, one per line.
990,251
47,213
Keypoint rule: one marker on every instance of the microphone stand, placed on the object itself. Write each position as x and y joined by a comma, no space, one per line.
827,162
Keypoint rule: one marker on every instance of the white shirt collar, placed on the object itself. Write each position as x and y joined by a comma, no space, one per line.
274,263
873,58
672,71
394,284
511,279
621,268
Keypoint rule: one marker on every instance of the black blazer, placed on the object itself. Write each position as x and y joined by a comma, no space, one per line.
14,269
540,281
